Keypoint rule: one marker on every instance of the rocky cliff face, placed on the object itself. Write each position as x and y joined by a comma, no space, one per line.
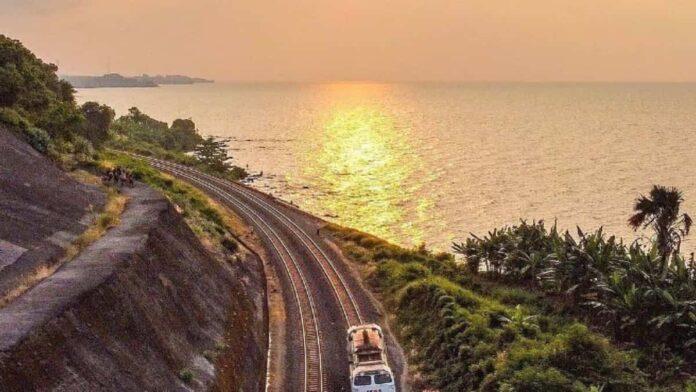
136,311
41,210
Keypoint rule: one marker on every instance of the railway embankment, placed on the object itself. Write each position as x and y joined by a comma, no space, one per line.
322,294
147,306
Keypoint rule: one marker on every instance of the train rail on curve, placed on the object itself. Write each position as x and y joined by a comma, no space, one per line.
248,202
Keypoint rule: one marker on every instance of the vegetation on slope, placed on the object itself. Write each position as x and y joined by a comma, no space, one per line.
217,230
463,335
642,294
41,108
532,308
204,218
180,143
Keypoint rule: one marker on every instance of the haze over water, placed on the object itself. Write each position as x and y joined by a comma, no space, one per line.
432,162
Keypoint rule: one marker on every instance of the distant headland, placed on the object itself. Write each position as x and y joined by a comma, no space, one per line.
117,80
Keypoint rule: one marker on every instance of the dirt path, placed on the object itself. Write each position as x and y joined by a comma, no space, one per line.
57,292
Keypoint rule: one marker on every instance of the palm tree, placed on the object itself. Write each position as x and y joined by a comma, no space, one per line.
661,211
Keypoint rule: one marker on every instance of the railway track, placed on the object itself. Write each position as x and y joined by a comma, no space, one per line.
250,203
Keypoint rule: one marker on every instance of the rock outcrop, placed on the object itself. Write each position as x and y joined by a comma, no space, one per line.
41,210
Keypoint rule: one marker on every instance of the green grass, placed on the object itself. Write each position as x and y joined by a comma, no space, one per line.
464,334
204,218
186,375
151,150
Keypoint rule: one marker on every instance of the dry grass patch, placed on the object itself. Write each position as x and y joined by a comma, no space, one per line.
107,219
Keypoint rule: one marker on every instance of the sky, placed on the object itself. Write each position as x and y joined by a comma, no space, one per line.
375,40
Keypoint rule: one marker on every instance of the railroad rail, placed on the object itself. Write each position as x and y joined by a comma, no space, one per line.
311,340
243,199
343,294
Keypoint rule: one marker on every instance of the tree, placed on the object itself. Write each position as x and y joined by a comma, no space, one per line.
32,89
10,85
661,211
141,118
185,134
212,152
98,121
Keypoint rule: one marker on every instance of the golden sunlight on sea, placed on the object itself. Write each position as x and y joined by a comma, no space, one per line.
436,162
362,156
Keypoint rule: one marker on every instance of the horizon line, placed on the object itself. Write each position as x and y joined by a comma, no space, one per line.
399,81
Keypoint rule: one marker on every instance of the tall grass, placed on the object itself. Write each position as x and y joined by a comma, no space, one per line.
462,334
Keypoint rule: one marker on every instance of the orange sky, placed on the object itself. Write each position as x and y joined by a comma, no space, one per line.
300,40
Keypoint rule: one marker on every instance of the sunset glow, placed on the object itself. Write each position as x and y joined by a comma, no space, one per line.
356,195
405,40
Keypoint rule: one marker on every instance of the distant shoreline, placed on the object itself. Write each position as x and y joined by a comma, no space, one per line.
117,80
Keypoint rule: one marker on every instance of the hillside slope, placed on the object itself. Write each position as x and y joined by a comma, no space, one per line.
41,209
145,307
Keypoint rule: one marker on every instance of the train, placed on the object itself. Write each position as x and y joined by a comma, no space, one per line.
369,369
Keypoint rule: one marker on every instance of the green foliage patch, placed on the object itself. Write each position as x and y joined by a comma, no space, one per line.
40,107
201,216
467,334
629,291
144,135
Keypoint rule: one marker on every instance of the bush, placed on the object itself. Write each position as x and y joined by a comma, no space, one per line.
535,378
186,375
210,355
230,245
220,346
515,296
37,138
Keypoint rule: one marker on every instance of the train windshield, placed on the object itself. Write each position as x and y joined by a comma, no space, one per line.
362,380
384,378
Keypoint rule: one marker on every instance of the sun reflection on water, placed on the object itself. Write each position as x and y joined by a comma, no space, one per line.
364,163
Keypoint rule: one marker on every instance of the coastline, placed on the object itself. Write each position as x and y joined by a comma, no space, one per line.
114,80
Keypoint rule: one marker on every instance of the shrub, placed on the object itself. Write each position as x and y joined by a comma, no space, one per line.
186,375
537,378
37,138
515,296
230,245
210,355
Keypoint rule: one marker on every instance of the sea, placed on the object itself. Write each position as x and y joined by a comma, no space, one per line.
434,162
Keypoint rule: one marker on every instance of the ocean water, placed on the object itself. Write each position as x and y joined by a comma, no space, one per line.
434,162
